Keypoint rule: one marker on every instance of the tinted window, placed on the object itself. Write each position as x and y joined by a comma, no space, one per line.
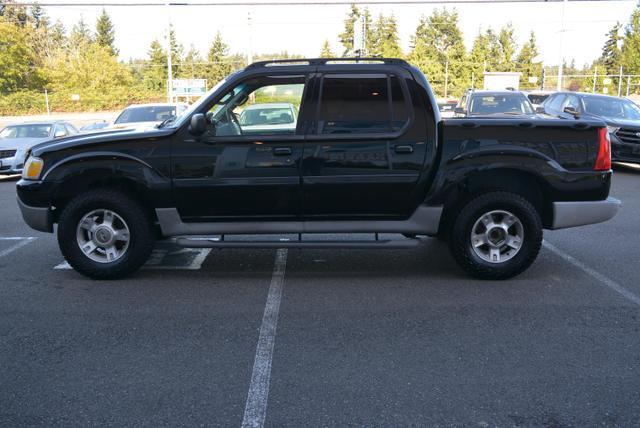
616,108
26,131
146,114
361,105
500,104
571,101
556,103
538,98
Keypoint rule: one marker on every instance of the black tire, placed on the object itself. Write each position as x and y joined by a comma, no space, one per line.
141,239
460,238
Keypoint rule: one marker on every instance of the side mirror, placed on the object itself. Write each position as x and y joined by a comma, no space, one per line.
572,111
540,110
198,124
459,110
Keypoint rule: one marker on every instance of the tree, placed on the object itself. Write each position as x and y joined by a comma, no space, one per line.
326,50
479,58
347,36
155,70
14,13
39,16
610,58
438,48
105,32
80,35
385,41
218,58
16,60
192,65
630,54
507,47
526,62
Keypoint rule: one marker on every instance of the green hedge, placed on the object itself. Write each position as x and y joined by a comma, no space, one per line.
31,102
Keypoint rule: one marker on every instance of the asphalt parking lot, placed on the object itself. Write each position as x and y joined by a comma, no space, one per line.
324,337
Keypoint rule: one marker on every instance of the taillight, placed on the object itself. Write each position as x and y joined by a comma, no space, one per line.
603,160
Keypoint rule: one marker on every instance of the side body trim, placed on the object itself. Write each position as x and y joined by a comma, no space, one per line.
424,221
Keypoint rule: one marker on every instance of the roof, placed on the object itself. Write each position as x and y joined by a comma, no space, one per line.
271,105
156,105
589,94
490,92
39,122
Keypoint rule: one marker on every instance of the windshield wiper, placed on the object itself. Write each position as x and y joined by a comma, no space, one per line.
166,122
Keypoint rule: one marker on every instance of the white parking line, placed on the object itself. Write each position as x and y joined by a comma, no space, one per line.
255,409
157,260
594,274
22,241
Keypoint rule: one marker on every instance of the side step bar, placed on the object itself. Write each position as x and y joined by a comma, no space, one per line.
217,243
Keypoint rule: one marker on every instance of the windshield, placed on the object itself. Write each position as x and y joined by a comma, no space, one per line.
614,108
26,131
266,116
500,104
146,114
538,98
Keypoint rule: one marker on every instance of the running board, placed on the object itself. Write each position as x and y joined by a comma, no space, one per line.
217,243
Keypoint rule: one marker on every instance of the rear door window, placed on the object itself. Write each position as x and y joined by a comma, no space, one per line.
361,104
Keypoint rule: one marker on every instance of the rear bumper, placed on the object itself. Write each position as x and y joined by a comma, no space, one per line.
580,213
36,217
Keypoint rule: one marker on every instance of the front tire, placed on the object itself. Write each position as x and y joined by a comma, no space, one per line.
105,234
497,235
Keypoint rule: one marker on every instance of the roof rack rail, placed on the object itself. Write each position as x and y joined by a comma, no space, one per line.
324,61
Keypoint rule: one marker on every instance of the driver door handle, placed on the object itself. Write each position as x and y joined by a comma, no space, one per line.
282,151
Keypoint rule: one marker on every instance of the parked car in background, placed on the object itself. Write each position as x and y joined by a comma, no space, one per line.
446,107
145,115
268,118
16,140
621,115
494,103
95,126
537,98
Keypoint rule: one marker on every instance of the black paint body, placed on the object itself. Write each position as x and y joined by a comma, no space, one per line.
347,177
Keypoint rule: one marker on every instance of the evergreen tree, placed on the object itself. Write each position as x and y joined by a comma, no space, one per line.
192,65
326,50
14,13
155,71
385,41
507,46
437,45
478,58
105,32
610,58
347,36
525,63
219,64
80,35
630,54
39,17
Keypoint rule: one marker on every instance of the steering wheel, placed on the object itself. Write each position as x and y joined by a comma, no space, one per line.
233,121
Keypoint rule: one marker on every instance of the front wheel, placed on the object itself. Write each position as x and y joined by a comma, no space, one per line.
497,235
104,234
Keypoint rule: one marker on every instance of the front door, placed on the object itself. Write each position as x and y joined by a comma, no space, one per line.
365,152
247,162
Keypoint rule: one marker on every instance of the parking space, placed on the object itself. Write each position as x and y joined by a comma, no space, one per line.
324,337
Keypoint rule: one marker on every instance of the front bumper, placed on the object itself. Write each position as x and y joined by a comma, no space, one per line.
36,217
624,152
580,213
12,165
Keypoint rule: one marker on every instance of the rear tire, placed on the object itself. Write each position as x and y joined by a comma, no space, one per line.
105,234
497,235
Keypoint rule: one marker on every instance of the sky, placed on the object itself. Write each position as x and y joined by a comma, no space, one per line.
302,29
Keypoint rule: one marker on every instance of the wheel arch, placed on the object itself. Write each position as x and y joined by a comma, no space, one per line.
525,183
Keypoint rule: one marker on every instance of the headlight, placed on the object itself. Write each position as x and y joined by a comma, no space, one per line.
32,168
612,129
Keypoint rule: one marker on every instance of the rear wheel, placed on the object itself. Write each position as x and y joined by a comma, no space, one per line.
497,235
105,234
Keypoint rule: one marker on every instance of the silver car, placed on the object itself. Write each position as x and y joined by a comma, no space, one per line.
16,140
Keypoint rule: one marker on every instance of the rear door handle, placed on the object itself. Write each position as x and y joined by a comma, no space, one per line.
282,151
404,149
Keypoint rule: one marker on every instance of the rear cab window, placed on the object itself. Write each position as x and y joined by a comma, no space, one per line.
360,104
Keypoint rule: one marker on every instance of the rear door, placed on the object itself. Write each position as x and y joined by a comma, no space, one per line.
365,151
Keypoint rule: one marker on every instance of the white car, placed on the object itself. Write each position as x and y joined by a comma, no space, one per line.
147,115
17,139
269,117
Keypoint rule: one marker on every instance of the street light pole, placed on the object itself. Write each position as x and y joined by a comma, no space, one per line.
169,65
561,65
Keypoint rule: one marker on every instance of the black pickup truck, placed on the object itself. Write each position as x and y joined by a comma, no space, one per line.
320,146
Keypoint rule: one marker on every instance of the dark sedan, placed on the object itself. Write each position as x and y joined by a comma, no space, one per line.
622,117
